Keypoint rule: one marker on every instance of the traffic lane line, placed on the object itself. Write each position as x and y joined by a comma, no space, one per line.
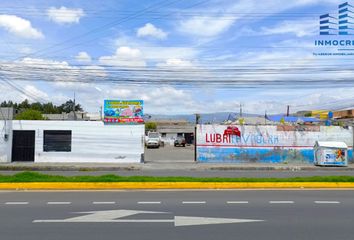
16,203
281,202
142,202
327,202
58,203
103,203
193,202
237,202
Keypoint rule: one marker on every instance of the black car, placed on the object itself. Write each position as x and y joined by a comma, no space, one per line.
180,141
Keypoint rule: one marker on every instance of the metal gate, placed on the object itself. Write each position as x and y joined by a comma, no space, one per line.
23,146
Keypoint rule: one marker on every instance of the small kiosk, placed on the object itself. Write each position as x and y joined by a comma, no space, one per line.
328,153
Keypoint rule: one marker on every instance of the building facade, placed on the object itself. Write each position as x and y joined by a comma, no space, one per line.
70,141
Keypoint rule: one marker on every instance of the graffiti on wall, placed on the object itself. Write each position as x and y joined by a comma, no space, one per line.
264,143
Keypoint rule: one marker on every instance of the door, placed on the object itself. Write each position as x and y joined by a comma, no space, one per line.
23,146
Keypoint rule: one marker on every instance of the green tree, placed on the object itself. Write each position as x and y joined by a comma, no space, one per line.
68,106
50,108
37,106
150,126
24,105
30,114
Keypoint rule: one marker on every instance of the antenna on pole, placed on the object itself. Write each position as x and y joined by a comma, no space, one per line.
75,118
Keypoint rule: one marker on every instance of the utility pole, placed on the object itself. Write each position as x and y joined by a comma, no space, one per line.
240,109
75,118
197,118
101,112
287,111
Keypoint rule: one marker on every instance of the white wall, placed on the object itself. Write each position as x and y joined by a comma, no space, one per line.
91,141
5,145
272,144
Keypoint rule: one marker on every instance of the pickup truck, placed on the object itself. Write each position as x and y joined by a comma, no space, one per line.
153,140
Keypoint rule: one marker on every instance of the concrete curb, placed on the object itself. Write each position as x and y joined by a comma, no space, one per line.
187,167
171,185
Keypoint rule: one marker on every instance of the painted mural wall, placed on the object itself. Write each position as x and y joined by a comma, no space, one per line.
91,141
266,144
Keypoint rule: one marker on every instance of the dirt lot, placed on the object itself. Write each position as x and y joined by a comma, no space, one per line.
170,154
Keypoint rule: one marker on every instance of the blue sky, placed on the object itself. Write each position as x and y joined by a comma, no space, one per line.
178,56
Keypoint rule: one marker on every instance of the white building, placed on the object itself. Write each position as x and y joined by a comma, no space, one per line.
70,141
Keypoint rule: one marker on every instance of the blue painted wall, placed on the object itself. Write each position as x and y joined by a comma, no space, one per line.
267,144
259,155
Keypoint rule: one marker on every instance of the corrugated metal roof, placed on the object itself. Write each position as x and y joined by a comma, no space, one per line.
293,119
331,144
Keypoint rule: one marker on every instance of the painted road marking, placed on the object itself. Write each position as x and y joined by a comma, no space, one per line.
112,216
58,203
149,202
16,203
236,202
103,203
327,202
193,202
281,202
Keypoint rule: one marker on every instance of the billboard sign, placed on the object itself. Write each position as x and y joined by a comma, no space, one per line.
124,111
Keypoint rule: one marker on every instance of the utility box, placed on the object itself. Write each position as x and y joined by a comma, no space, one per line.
331,153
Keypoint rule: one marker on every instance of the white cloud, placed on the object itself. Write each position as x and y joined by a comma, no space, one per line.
65,15
298,28
220,17
35,92
176,62
19,27
149,30
157,53
206,26
124,57
122,93
36,69
83,57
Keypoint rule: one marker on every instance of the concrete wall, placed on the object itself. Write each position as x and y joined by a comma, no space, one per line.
91,141
267,144
5,144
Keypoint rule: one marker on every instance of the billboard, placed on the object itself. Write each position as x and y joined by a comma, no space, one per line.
124,111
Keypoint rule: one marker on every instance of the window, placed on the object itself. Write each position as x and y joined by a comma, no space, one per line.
163,134
57,141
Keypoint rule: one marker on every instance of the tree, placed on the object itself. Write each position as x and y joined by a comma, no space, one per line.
24,105
68,107
37,106
29,114
150,126
49,108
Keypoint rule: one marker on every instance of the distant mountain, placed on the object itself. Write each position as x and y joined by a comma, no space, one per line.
217,117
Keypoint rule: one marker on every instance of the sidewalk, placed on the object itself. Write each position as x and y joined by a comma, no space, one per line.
160,166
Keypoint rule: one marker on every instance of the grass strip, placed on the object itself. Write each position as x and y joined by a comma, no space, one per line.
39,177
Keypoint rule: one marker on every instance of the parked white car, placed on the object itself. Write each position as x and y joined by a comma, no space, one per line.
153,140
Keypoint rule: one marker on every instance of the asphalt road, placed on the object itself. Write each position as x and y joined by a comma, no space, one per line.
287,214
170,153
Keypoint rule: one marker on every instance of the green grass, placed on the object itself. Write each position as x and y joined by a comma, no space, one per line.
38,177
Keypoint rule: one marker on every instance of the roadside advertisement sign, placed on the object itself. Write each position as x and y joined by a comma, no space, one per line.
124,111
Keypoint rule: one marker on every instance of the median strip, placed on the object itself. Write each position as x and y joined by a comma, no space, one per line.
37,181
